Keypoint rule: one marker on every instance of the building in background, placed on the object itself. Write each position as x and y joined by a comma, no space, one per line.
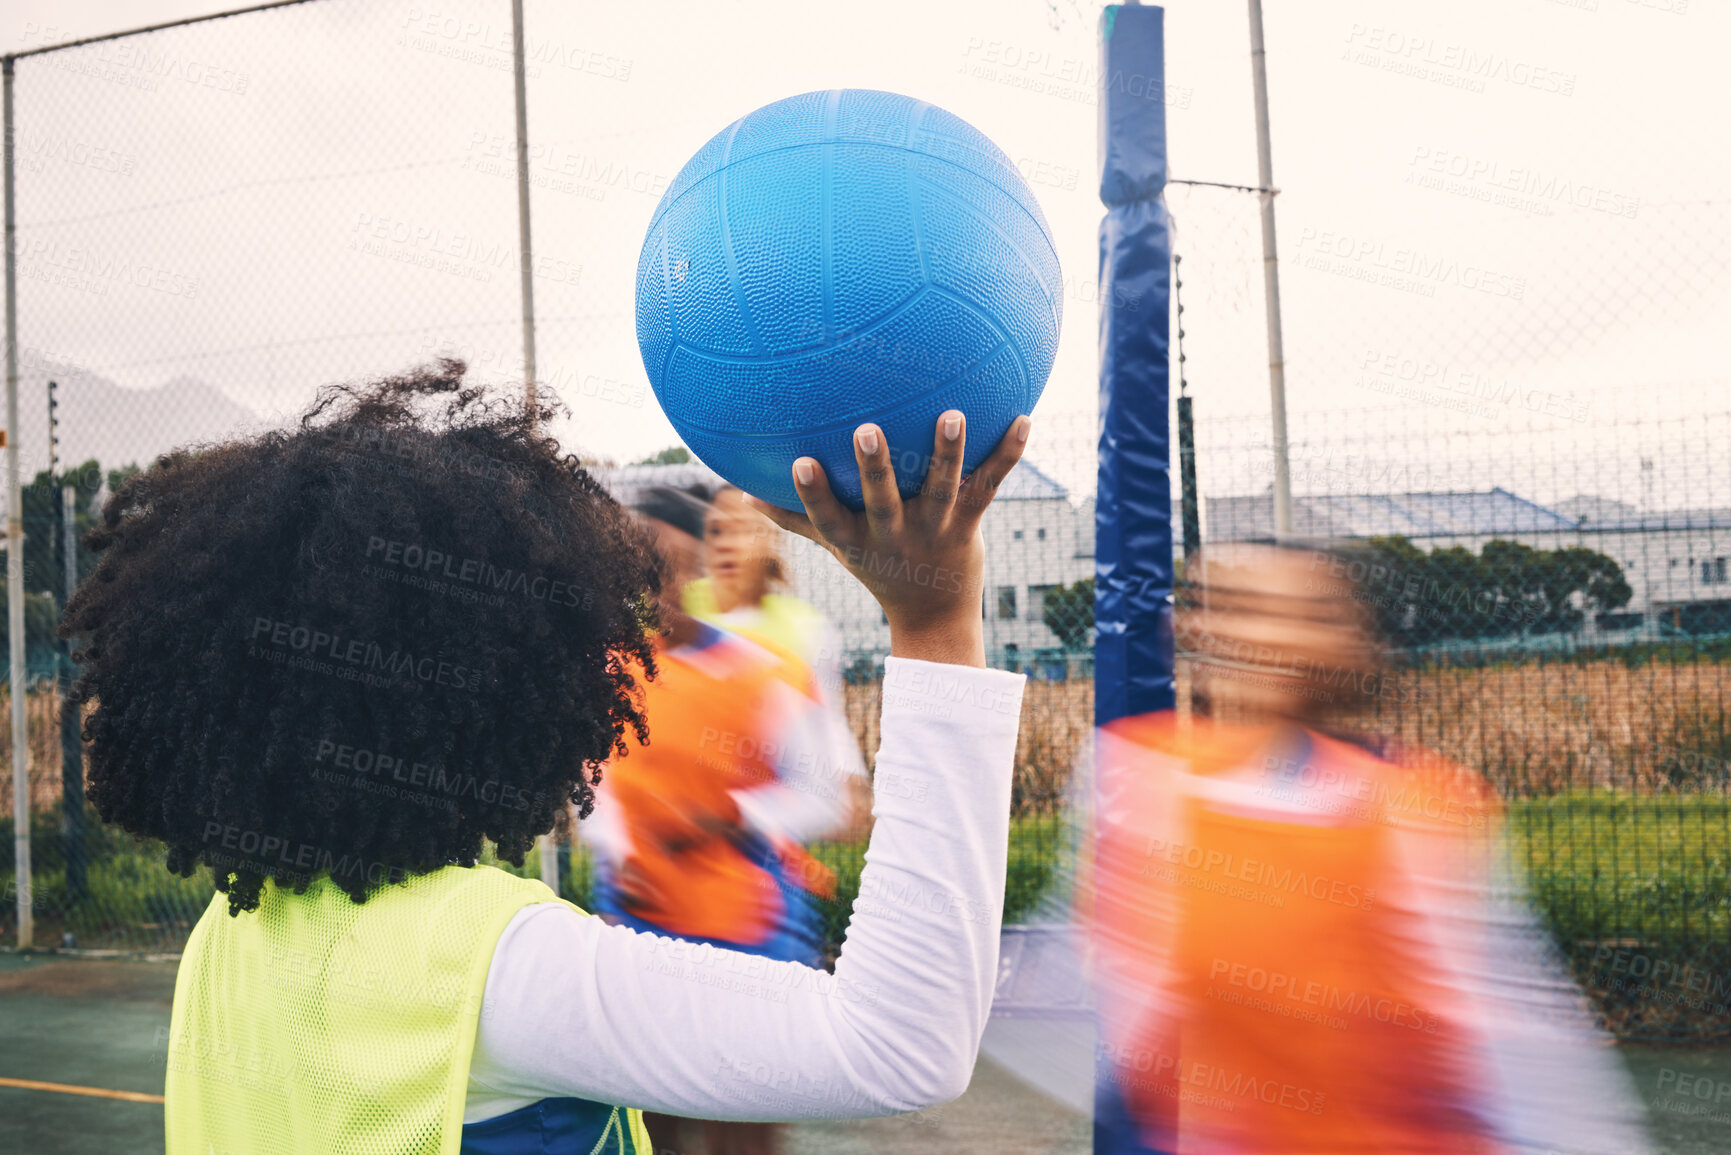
1677,562
1037,539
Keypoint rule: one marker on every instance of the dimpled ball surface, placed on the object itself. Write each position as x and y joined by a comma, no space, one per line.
842,257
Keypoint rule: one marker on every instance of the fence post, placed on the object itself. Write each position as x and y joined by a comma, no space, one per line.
1133,506
1271,282
71,740
1188,498
1133,509
15,542
526,272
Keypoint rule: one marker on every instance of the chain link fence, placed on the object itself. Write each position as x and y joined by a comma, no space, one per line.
1531,450
175,190
176,187
1527,458
1560,627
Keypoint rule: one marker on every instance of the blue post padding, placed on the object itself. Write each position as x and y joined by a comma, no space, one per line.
1133,510
1132,103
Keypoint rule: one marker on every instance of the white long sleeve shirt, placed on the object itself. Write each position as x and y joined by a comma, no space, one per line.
575,1007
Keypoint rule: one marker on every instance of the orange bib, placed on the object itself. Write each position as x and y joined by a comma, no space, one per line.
1287,995
713,729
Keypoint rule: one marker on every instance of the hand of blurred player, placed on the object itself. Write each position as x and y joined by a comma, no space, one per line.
922,559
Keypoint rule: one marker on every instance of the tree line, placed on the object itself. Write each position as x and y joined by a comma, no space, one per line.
44,554
1418,598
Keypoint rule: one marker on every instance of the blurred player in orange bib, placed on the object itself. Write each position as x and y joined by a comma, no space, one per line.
698,833
1303,947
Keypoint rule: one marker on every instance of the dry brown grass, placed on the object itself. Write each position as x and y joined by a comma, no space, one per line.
1542,729
1057,722
1533,729
42,723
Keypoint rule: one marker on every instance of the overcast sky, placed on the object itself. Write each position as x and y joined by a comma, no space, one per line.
1504,196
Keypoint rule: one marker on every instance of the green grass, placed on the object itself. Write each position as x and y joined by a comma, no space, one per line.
1602,866
134,903
131,901
1034,845
1635,887
1608,872
1609,865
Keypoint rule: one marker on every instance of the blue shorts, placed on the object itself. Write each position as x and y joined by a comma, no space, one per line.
1116,1131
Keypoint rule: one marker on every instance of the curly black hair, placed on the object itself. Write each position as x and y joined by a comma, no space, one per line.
357,648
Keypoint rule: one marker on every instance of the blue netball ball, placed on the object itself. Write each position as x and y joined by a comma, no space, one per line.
842,257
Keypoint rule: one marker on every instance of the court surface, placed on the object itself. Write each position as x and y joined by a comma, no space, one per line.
102,1024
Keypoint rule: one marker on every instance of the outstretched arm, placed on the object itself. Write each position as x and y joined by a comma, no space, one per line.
577,1008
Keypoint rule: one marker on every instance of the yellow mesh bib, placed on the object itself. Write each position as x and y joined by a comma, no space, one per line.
317,1024
786,621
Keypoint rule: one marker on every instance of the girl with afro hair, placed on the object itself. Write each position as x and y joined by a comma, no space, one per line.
330,663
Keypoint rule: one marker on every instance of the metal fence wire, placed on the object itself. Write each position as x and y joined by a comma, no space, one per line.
1539,521
1545,502
156,177
1558,628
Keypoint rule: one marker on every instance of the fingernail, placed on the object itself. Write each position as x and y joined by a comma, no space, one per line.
1023,428
868,439
802,470
952,426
